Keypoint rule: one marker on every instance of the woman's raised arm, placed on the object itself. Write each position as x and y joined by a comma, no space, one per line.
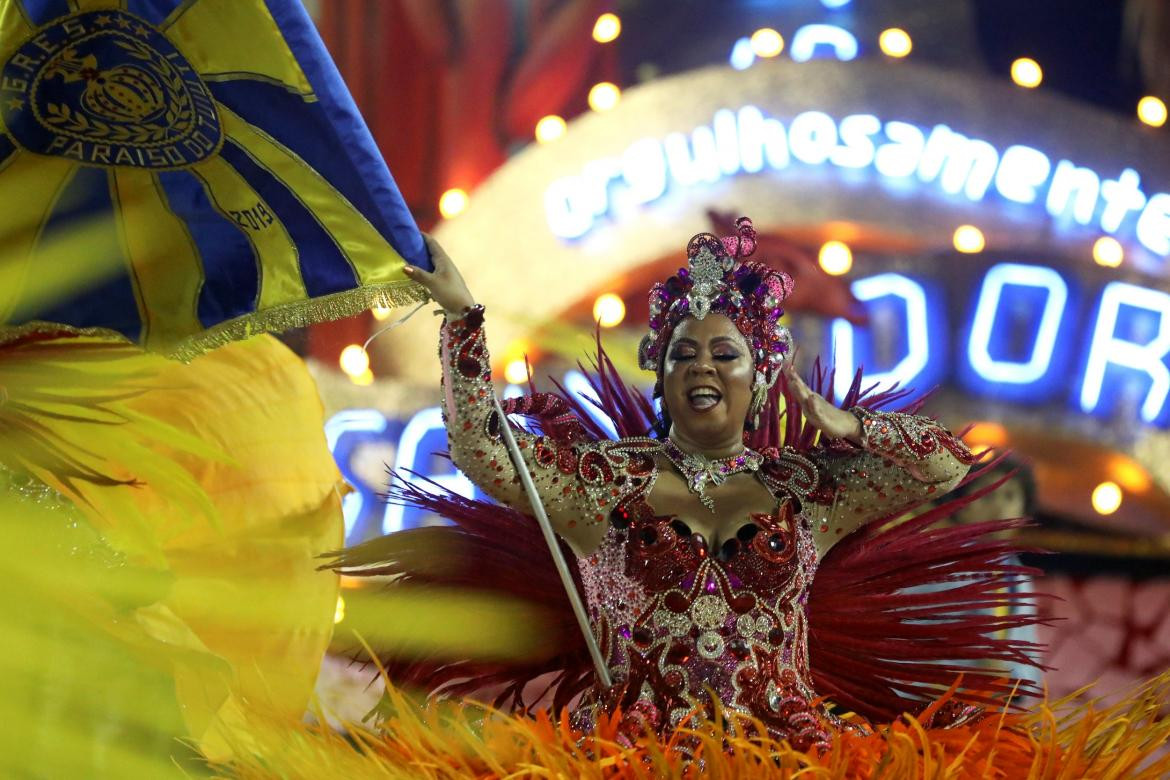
892,462
575,507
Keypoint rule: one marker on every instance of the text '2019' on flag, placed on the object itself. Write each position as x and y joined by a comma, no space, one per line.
187,172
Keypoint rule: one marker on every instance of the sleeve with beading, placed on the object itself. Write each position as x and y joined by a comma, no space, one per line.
903,460
571,493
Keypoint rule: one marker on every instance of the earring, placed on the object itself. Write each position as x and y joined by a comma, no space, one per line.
759,397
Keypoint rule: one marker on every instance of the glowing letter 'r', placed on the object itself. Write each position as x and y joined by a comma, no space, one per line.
1147,358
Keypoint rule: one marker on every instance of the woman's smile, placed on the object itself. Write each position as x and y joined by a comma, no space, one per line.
703,398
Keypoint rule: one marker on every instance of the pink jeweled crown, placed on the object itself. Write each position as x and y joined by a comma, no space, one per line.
750,294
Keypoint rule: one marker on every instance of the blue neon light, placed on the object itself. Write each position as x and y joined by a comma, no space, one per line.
423,435
1122,195
899,158
350,421
812,137
1141,347
746,140
811,39
343,432
906,317
1153,227
1074,190
742,55
644,171
1022,171
693,161
987,312
857,149
958,163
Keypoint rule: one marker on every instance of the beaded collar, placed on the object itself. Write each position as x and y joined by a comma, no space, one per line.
697,469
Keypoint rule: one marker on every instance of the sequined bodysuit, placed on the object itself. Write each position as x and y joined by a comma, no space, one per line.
676,620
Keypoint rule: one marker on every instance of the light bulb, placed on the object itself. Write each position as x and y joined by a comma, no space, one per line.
354,360
969,239
835,258
1106,498
607,28
550,128
452,202
604,96
895,42
767,42
609,310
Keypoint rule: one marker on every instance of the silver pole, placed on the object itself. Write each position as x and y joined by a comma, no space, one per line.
553,547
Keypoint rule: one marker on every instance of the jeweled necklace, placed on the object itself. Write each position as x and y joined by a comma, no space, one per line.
697,469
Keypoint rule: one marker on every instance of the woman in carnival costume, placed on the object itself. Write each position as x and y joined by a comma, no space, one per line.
752,559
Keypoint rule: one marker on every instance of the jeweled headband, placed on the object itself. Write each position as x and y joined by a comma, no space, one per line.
749,294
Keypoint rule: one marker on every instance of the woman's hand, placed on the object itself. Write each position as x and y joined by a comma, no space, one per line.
445,284
832,421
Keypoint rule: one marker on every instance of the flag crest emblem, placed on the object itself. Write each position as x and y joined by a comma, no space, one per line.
106,88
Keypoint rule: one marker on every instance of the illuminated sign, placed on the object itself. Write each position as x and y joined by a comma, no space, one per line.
748,141
1023,341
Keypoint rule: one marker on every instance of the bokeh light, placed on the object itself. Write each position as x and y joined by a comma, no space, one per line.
969,239
835,258
550,128
1107,251
1152,111
452,202
766,42
604,96
609,310
1106,498
516,371
607,28
1129,475
895,42
1027,72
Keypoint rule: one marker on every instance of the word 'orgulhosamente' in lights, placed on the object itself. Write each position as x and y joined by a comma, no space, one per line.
748,141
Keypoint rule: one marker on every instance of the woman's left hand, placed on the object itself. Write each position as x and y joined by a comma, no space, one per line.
829,419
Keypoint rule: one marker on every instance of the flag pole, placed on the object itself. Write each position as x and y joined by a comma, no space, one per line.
553,546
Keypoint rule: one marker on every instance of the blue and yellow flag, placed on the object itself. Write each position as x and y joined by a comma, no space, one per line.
187,172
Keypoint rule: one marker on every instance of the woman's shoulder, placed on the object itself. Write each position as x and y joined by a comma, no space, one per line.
633,456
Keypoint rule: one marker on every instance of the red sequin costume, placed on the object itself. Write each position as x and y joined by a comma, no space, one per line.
675,619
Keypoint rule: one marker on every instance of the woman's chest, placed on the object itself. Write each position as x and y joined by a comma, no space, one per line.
645,553
718,513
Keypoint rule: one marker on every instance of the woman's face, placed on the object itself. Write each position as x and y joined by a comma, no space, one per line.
707,380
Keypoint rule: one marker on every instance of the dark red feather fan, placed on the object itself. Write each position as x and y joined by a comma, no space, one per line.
894,609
